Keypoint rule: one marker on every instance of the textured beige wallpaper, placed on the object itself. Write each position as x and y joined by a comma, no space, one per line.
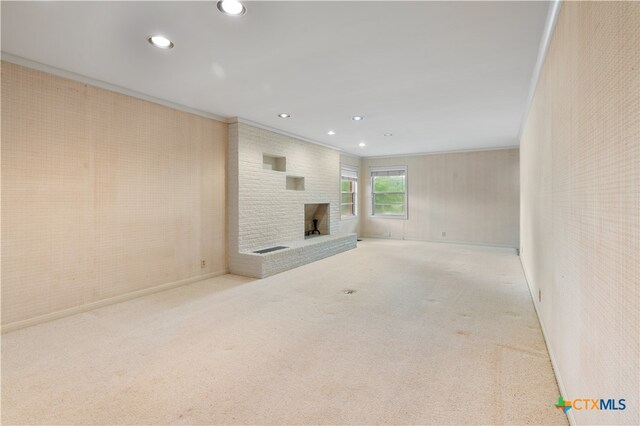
580,224
103,194
470,196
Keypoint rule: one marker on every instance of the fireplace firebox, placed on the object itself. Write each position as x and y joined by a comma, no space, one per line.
316,220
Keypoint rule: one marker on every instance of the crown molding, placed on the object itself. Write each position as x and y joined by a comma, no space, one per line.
234,120
8,57
457,151
550,25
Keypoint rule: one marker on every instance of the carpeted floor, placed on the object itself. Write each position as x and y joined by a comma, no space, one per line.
431,334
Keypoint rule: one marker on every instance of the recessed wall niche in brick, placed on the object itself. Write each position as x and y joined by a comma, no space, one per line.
270,162
295,183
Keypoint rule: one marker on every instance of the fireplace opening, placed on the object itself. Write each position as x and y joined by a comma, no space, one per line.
316,220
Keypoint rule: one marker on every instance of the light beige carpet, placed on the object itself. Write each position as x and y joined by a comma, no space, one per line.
433,334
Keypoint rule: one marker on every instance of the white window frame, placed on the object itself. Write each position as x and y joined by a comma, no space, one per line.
401,170
351,173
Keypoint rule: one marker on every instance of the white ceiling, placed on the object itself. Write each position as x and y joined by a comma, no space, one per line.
440,76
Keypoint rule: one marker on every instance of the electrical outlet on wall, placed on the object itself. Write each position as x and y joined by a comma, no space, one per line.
539,295
444,234
203,263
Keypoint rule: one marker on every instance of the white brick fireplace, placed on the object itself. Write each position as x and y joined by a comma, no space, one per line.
277,185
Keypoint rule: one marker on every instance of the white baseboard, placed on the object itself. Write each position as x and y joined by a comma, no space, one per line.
6,328
554,364
464,243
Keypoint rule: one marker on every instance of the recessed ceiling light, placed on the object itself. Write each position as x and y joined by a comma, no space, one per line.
231,7
331,132
160,42
357,118
284,115
362,144
388,134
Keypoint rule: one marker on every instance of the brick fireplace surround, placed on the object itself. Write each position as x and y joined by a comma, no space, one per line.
271,177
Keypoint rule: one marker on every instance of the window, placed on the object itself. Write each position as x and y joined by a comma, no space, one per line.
389,191
348,192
